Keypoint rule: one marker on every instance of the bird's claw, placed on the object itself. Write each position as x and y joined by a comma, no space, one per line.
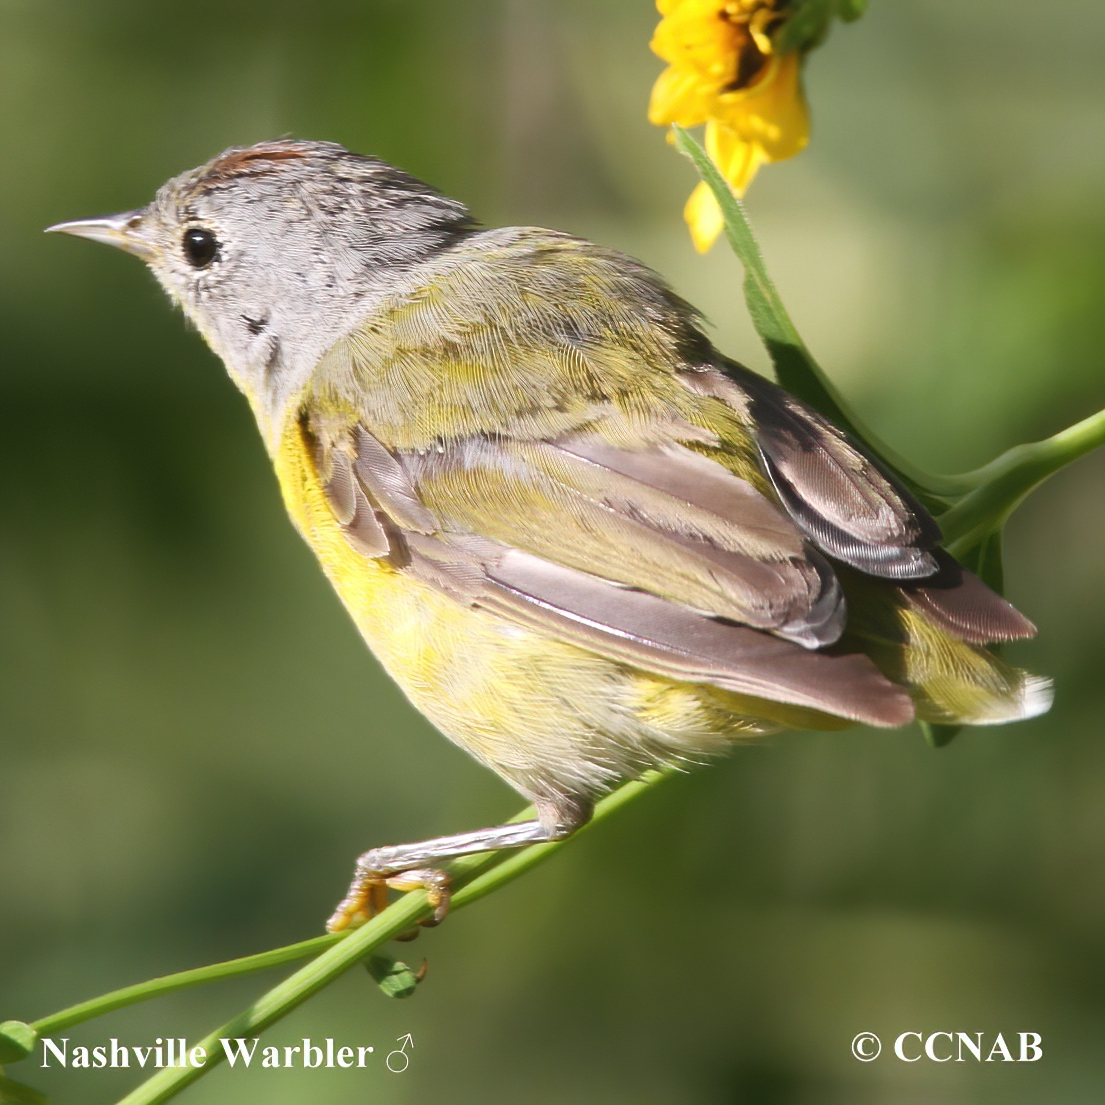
367,895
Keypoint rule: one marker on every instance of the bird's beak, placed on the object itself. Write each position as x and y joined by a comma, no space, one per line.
122,231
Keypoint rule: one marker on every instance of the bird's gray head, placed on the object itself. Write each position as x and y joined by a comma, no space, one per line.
275,250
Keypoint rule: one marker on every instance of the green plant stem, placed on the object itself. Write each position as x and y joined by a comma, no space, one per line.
215,972
474,877
183,980
513,864
795,367
1001,485
970,506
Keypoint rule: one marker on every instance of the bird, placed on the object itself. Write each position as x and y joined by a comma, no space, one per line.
582,540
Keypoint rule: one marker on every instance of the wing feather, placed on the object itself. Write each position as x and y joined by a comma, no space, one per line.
382,476
961,604
837,495
568,510
648,632
543,447
364,531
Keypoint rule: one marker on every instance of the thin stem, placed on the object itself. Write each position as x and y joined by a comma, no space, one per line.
214,972
288,995
1002,484
183,980
513,864
795,366
987,496
475,881
1067,445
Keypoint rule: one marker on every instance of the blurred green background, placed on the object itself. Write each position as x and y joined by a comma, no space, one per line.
196,745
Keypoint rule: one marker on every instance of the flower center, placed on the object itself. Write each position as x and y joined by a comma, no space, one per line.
748,28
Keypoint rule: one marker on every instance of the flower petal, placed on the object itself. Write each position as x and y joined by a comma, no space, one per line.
678,96
703,217
697,35
771,113
737,156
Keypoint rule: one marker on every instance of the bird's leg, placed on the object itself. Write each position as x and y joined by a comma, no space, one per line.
409,866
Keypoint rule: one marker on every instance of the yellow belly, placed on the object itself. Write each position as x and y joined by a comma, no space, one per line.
541,712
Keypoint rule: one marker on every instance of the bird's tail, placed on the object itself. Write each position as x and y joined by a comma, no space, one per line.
931,638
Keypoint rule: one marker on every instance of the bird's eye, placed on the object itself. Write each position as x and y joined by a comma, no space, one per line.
200,247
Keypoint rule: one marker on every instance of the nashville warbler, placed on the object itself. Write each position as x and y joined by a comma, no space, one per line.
582,540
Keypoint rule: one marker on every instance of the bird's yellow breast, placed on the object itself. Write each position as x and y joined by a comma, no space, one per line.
527,704
498,690
392,611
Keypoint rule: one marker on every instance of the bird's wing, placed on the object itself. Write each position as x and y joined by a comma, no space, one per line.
837,495
656,557
538,427
854,511
718,546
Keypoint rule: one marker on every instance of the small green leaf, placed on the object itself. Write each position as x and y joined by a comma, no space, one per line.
15,1093
805,27
393,976
17,1041
939,735
986,562
807,22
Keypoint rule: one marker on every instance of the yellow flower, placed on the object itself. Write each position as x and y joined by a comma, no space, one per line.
723,71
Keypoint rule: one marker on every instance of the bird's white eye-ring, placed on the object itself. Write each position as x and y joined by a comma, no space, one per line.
200,247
